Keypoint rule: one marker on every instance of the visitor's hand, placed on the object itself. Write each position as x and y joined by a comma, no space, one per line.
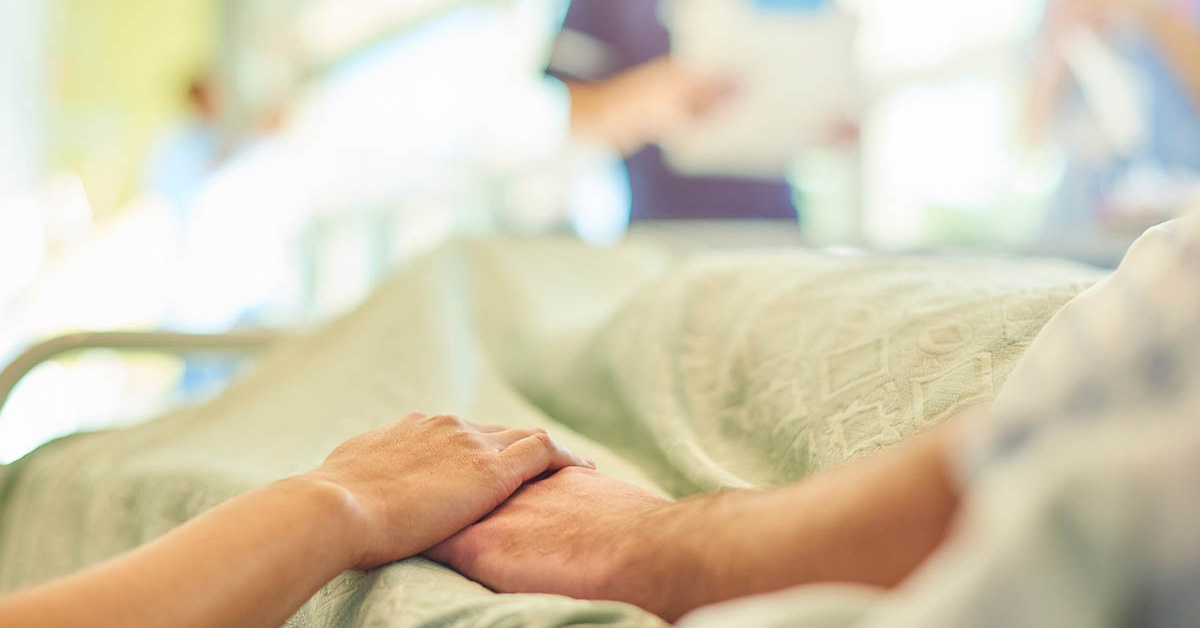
418,480
643,105
573,533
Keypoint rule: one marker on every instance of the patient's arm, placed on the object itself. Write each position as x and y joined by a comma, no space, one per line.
254,560
579,533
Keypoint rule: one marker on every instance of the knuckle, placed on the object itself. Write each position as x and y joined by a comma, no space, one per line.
543,437
480,443
446,420
465,441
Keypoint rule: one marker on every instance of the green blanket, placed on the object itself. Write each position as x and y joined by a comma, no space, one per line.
681,375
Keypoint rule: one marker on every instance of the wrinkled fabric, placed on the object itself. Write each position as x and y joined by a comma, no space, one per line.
1081,502
680,375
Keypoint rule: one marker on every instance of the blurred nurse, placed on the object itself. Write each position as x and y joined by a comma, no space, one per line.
627,92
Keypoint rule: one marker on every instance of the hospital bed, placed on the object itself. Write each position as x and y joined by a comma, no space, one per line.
680,371
246,342
678,236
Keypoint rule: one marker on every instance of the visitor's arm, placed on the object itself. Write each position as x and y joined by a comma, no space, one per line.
256,559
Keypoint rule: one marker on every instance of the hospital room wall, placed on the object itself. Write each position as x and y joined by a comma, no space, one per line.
86,89
116,78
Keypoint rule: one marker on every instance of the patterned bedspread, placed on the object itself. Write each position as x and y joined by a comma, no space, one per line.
681,375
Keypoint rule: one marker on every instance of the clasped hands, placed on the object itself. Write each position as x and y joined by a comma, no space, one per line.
509,508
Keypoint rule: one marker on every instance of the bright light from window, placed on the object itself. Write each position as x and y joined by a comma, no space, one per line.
938,135
65,209
900,37
22,244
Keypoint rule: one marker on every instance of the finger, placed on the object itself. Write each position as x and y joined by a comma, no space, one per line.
536,454
507,437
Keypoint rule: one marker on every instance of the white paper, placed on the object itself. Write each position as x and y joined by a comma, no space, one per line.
796,79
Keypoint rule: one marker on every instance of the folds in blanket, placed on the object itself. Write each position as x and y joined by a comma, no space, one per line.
689,375
757,369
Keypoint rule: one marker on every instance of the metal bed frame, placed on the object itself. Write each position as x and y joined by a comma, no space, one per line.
245,342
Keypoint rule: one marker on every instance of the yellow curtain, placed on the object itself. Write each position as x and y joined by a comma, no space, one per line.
119,71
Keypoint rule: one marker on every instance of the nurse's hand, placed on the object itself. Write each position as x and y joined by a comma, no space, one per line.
644,104
413,483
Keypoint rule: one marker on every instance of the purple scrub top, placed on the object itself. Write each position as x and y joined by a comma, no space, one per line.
633,34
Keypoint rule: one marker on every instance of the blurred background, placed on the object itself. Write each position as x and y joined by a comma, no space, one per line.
214,165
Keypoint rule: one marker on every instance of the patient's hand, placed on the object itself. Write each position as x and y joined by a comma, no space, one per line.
579,533
418,480
568,534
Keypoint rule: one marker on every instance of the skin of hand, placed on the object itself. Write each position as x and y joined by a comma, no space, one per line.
581,534
254,560
417,481
565,534
644,104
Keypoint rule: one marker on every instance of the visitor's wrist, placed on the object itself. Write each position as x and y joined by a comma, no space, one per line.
341,528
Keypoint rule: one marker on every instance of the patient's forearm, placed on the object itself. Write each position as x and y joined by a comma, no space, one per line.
871,522
252,561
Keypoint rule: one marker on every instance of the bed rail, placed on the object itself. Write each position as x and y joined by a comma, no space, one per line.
155,341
